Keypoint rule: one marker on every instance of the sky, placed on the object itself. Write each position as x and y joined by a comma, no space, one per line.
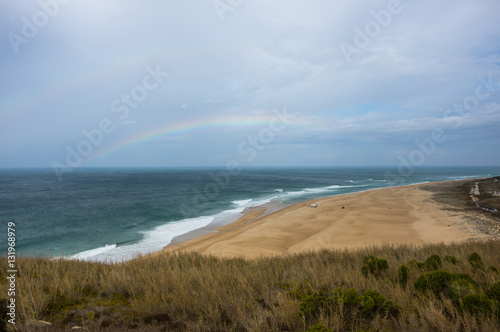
122,83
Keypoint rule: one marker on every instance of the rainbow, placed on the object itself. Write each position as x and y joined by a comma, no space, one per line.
189,126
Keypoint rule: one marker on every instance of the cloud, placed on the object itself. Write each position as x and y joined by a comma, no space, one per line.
262,56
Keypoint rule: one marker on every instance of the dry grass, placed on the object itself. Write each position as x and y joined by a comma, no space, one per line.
189,292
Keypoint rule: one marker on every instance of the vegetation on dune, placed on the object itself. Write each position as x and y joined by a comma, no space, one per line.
373,265
432,288
403,275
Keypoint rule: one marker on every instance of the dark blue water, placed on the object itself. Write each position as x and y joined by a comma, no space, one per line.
114,214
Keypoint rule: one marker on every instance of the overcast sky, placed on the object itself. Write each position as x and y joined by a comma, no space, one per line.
264,83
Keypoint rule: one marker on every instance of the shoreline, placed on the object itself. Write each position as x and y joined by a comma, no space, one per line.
392,215
269,207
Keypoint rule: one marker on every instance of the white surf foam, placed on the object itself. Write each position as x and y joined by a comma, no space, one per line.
295,193
93,252
336,186
316,190
465,177
242,202
154,240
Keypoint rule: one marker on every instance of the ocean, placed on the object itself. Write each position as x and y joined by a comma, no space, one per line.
115,214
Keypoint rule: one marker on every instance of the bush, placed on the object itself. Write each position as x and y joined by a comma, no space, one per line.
372,301
451,285
374,266
351,297
433,262
494,292
349,303
478,304
435,281
403,275
476,261
312,304
494,269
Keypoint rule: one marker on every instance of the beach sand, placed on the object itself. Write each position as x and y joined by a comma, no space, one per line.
397,215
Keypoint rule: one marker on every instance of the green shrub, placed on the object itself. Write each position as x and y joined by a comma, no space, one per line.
494,269
312,304
363,308
351,297
478,304
433,262
435,281
374,266
452,259
372,301
461,285
494,291
476,261
403,275
353,305
451,285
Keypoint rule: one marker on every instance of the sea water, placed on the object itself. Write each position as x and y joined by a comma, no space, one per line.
115,214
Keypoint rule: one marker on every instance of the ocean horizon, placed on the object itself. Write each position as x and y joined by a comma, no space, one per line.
115,214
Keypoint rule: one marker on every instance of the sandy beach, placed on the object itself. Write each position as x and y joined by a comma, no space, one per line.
397,215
